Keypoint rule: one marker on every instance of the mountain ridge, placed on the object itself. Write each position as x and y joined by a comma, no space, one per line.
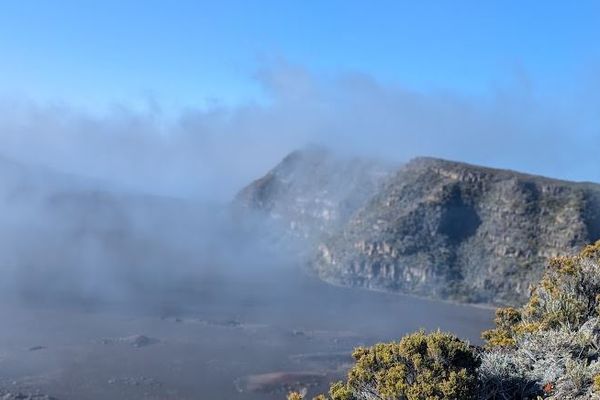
451,230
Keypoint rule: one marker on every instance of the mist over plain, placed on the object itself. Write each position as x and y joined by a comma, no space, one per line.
129,201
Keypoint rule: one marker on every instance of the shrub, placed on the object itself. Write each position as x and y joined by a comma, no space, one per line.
295,396
597,383
567,296
501,376
549,348
503,335
436,366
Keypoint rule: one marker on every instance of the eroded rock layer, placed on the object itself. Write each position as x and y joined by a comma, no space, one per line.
456,231
432,227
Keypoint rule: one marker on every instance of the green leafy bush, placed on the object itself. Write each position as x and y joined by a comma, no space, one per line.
436,366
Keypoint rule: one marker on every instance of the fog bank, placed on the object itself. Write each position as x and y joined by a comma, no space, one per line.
210,152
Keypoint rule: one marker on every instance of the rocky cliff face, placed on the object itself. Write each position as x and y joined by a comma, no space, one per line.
312,192
435,228
457,231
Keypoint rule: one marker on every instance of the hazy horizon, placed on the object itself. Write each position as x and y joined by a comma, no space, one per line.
197,99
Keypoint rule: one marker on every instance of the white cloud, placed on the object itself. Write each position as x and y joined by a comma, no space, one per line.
211,152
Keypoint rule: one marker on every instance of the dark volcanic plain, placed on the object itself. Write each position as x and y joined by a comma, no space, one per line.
290,331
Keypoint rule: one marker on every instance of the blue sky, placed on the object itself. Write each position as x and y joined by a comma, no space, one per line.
197,98
190,52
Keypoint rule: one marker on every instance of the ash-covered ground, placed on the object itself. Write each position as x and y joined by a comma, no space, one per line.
289,331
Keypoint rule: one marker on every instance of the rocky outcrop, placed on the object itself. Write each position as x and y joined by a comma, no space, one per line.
435,228
10,395
457,231
312,192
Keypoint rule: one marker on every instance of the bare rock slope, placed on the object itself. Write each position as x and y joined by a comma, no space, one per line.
439,228
312,193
